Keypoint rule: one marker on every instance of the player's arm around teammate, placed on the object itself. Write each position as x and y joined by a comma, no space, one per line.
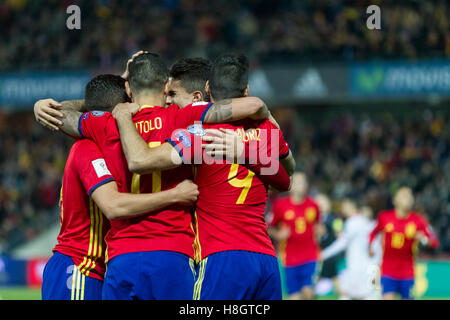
114,204
118,205
50,113
142,159
47,111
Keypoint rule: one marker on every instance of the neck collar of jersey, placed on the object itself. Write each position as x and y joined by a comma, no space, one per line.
145,106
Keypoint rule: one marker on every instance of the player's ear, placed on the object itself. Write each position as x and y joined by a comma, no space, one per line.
208,92
166,89
246,91
128,90
197,96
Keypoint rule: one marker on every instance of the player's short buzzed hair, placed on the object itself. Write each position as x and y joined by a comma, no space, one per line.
192,73
229,76
147,72
103,92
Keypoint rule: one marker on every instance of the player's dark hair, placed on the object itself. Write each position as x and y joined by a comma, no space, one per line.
103,92
192,73
147,72
229,76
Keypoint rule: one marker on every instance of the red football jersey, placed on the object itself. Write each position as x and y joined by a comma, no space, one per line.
168,229
301,246
83,226
399,245
230,208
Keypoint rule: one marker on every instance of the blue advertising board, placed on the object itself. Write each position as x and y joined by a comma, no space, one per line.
399,78
24,88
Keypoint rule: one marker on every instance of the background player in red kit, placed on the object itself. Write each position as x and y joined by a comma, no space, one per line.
76,270
144,251
402,229
231,231
296,217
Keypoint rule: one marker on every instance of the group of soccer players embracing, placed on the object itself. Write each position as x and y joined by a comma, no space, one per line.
165,189
141,216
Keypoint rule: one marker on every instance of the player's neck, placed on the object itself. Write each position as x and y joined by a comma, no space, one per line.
149,99
297,199
402,214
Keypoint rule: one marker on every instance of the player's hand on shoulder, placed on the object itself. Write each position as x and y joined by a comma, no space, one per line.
186,192
126,73
223,143
125,110
46,112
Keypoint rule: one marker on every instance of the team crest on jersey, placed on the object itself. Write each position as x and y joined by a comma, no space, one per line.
410,230
97,113
310,214
289,215
389,227
196,130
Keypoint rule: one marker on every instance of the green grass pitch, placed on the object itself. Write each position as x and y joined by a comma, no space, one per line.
20,293
25,293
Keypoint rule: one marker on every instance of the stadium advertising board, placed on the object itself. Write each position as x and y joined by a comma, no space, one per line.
275,83
388,79
23,89
305,82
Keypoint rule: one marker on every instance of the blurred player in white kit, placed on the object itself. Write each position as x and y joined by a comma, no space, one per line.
360,279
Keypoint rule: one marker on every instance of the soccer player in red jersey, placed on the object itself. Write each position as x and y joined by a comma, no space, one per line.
187,81
297,217
76,270
402,229
143,251
231,233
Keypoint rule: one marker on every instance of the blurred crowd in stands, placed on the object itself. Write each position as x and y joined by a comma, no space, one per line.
34,33
368,156
32,161
364,156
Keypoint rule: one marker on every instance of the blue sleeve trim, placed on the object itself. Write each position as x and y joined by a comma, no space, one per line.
176,147
99,184
79,124
204,111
